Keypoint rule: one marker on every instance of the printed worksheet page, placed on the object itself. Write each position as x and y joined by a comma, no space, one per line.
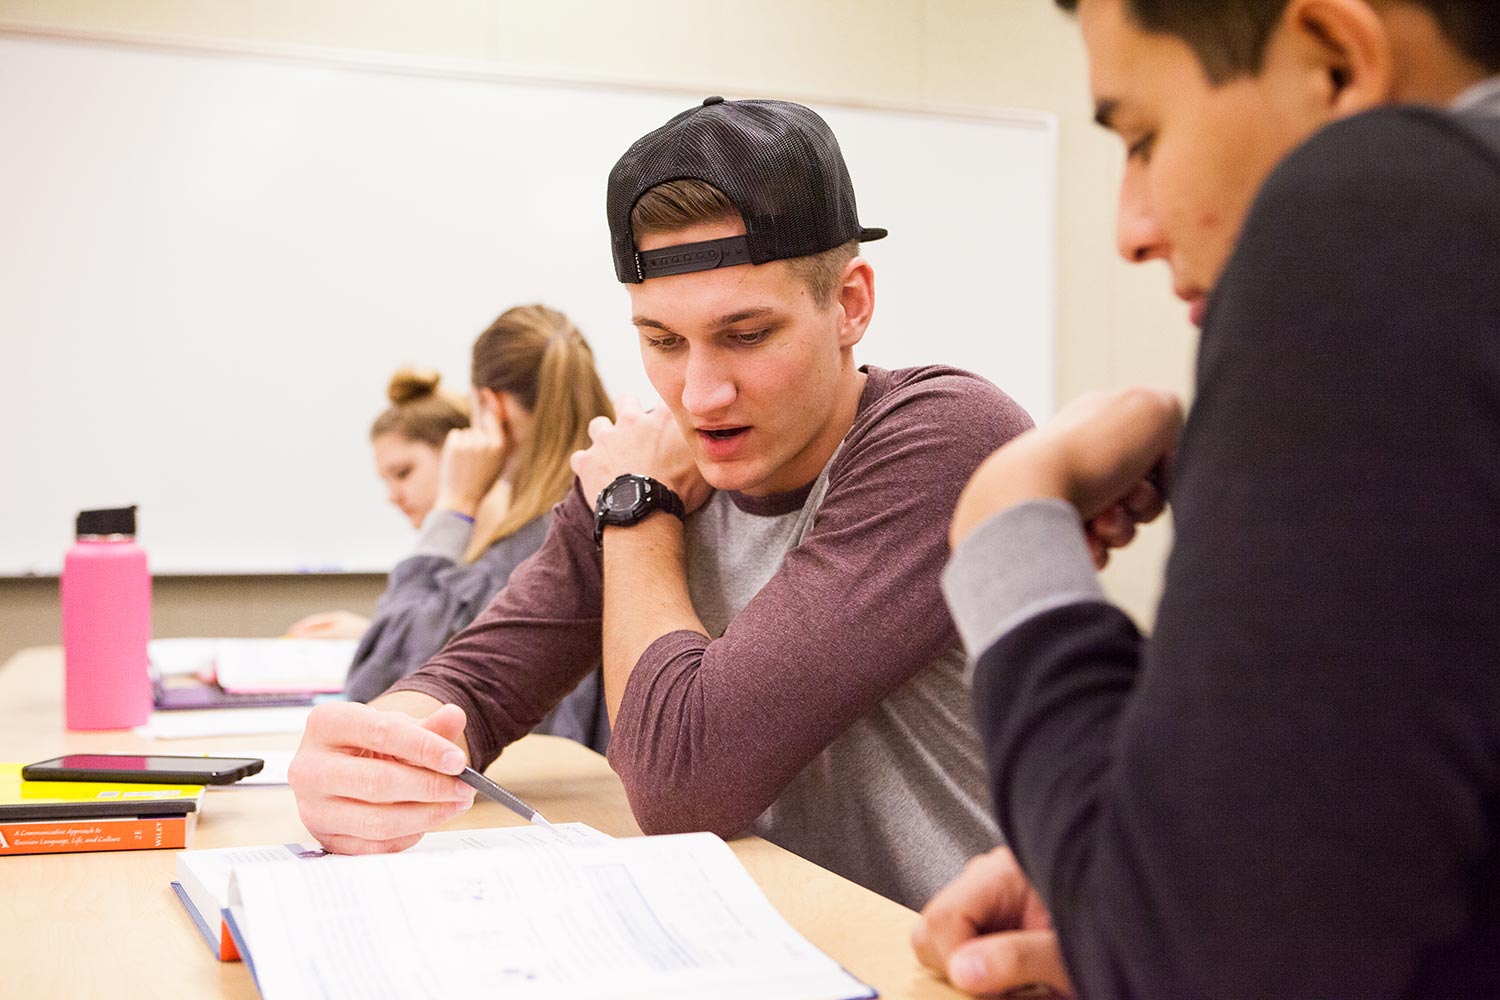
656,917
283,664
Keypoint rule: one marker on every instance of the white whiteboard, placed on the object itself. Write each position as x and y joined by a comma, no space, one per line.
211,262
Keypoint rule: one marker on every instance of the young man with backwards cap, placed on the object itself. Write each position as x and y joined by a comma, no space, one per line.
1292,788
757,563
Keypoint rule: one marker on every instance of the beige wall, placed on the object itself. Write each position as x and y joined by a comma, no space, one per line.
194,605
1117,325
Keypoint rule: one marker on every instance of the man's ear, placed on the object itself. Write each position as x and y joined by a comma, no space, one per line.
856,301
1345,45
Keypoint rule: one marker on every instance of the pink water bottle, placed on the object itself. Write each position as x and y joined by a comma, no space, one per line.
106,620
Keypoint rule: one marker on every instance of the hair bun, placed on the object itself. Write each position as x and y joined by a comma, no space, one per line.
411,384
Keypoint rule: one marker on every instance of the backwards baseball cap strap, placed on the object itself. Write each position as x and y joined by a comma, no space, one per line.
686,257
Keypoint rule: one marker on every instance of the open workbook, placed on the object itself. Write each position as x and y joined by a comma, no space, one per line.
257,666
202,882
524,913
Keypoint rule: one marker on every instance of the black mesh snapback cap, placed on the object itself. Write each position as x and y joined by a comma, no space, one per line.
777,161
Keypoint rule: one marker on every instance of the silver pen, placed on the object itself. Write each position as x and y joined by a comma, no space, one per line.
489,789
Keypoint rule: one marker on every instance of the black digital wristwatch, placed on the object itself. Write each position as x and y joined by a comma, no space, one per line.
629,499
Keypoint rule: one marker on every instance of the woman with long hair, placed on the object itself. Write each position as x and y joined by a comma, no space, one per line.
535,391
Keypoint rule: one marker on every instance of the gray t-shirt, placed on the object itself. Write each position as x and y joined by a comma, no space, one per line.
897,800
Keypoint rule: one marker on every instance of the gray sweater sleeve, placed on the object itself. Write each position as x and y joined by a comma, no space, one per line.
1047,565
431,595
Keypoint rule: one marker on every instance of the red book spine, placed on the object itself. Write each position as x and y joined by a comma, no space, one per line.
66,836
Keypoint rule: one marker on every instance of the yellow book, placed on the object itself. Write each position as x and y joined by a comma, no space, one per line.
37,800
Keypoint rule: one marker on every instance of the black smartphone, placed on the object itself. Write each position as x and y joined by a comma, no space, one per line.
150,769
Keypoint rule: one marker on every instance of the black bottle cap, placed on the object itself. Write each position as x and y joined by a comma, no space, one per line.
112,521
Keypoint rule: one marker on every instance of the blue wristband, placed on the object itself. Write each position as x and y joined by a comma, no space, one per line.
462,516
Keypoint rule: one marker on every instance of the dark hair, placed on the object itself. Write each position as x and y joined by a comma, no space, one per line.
1229,36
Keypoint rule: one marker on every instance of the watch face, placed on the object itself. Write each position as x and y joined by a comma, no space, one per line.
625,496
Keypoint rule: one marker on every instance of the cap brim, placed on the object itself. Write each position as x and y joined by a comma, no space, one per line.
867,234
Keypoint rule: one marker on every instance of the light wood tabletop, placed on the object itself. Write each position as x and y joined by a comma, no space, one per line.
109,925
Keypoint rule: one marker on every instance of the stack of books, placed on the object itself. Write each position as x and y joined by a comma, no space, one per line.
57,817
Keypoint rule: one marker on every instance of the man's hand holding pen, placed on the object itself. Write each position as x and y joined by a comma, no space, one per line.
372,780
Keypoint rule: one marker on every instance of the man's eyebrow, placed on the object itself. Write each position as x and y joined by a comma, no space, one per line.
647,321
1104,113
730,319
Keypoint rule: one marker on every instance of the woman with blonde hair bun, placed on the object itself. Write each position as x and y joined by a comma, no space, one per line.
535,391
407,438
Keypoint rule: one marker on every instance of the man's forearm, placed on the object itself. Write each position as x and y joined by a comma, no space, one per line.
645,596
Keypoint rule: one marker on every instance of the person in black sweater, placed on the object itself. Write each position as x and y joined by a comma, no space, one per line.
1292,788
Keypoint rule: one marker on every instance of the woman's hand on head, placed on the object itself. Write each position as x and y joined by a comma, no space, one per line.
473,459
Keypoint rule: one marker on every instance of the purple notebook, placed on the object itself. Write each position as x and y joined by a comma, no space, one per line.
212,696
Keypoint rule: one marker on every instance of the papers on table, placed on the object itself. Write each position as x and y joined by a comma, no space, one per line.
223,722
273,773
243,686
650,917
182,657
257,665
202,882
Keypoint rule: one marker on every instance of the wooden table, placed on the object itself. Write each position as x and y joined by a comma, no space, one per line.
108,924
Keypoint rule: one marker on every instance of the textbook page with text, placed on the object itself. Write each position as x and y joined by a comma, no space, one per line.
202,882
646,917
